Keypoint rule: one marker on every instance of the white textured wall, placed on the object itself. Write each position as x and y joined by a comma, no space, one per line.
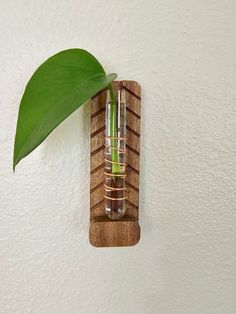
184,55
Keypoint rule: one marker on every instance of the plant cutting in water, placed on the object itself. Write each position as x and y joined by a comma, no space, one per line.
58,87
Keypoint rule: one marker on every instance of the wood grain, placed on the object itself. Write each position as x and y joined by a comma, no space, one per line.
103,231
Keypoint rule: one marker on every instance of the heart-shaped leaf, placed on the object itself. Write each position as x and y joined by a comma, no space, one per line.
57,88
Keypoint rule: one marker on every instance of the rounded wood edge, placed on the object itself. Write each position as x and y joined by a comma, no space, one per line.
104,232
131,82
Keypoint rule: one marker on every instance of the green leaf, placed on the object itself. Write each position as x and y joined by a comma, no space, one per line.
57,88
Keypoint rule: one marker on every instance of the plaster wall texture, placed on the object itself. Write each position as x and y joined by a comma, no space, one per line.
183,53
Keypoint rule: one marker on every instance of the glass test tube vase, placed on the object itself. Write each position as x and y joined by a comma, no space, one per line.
115,156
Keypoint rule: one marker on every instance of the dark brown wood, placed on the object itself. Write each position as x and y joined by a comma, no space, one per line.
103,231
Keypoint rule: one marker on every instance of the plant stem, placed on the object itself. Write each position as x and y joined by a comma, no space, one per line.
113,131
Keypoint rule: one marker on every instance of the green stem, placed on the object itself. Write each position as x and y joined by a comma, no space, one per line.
113,131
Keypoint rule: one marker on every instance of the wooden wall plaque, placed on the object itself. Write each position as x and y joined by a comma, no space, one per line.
104,232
